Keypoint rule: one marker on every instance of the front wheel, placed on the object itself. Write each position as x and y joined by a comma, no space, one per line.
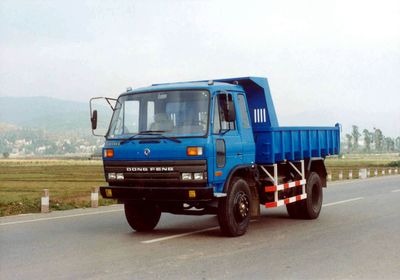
142,216
234,209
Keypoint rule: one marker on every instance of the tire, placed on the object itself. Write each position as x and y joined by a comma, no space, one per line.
142,216
293,210
310,207
234,209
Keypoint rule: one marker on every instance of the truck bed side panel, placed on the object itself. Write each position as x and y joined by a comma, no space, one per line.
295,143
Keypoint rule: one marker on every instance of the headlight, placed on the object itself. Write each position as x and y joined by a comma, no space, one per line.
120,176
187,176
198,176
112,176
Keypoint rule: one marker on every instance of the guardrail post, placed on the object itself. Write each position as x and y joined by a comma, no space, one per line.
383,171
350,174
329,177
94,197
376,172
368,172
362,174
45,202
340,175
396,171
390,171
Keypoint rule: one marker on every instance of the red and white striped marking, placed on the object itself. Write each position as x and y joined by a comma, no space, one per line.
285,186
285,201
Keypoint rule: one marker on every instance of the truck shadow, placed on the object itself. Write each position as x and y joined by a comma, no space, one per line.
208,227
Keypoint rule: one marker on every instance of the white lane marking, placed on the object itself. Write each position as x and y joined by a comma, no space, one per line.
213,228
178,235
342,201
183,234
60,217
396,190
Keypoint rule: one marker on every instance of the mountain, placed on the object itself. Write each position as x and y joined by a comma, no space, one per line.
50,114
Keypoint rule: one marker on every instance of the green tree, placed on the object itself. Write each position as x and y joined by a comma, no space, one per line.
378,137
355,135
388,144
349,143
6,154
367,140
397,143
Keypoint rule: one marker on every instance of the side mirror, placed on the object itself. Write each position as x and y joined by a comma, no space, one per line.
93,119
227,106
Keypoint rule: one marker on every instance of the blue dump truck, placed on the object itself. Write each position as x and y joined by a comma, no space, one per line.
211,147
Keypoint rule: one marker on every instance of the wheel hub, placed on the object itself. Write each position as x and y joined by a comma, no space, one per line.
241,209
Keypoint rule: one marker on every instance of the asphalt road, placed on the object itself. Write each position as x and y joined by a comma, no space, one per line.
357,236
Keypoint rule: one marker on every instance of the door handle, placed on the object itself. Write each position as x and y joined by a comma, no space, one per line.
239,154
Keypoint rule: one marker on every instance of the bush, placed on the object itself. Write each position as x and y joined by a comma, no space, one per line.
394,163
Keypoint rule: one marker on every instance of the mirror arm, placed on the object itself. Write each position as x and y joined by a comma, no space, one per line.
109,103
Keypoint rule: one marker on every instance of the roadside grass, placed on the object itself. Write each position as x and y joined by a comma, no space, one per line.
355,162
70,181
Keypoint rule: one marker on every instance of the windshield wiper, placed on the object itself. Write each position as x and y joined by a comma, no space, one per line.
150,132
159,133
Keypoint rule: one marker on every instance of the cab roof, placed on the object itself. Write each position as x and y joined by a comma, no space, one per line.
213,85
216,86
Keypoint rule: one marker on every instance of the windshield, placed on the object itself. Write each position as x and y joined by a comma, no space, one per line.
172,113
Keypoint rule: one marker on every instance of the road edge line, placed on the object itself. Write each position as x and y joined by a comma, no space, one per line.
59,217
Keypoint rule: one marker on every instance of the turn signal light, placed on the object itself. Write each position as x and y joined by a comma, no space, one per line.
194,151
108,153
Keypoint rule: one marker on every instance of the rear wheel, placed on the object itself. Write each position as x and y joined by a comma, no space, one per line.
310,207
142,216
234,210
293,210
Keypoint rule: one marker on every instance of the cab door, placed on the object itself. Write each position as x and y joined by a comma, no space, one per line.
226,138
245,130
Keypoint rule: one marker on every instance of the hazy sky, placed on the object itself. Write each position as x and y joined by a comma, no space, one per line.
326,61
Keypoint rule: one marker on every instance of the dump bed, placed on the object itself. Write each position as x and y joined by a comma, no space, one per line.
276,144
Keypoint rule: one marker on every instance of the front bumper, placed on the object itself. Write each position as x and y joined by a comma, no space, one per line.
183,194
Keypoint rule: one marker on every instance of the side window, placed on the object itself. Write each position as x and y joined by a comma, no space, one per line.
243,111
220,124
216,118
225,125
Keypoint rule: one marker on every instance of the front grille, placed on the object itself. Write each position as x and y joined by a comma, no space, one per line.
158,173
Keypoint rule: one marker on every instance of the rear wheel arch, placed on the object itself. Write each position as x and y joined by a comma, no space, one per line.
317,165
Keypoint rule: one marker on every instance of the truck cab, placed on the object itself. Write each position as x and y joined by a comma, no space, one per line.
191,148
